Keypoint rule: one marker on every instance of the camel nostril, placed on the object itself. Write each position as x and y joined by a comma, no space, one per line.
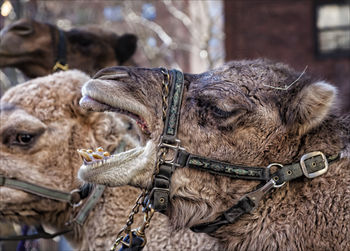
22,29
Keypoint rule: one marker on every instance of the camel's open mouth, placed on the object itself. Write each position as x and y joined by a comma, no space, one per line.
100,164
94,158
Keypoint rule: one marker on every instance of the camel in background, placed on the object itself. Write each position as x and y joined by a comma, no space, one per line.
34,48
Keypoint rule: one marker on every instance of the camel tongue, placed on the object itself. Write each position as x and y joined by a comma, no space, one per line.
142,124
89,156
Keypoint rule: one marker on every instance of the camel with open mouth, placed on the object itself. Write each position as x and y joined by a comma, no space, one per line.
35,48
41,126
249,132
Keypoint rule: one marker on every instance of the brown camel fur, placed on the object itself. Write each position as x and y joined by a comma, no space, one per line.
41,126
32,47
242,114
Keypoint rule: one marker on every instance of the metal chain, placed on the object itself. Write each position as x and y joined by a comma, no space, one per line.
148,210
127,228
165,91
162,152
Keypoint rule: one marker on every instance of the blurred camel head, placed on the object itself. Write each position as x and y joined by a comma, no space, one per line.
246,114
34,47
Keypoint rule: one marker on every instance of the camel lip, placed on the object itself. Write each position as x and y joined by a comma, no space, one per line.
89,103
95,167
94,100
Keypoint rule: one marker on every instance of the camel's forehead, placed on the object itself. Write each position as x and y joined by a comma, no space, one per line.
14,115
36,93
48,95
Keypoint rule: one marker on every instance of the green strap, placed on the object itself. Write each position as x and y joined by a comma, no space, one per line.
39,190
227,169
89,204
175,100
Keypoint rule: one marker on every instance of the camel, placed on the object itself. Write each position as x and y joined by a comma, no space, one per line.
35,48
244,121
41,125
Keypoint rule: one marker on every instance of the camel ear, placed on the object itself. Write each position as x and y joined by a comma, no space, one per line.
311,106
125,47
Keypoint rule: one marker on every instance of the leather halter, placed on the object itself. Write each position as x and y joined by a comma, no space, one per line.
311,165
61,49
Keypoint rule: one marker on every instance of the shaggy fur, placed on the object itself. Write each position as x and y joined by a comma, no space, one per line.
47,109
235,114
30,46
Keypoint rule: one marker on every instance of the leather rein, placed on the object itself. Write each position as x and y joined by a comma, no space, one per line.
311,164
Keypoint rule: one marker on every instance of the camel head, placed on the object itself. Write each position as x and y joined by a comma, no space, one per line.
224,112
41,126
248,113
33,47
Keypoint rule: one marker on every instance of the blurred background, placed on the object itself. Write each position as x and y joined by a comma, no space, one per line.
198,35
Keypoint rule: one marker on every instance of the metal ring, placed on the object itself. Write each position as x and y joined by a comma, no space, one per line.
80,200
274,182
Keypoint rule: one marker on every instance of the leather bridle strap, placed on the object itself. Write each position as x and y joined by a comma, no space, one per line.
159,195
311,165
71,197
185,159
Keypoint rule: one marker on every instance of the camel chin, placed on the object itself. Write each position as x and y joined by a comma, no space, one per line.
125,168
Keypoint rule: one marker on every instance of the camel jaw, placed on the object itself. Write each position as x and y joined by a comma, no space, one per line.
126,168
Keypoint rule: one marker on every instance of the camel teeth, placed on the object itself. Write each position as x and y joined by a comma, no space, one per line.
84,155
106,154
97,156
99,149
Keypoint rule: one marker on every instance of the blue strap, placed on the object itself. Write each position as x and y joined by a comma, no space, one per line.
136,245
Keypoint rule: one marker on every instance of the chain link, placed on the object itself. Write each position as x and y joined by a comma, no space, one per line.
165,91
148,210
127,228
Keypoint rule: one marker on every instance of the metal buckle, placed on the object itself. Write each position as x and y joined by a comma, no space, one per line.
317,173
176,148
59,66
274,181
74,203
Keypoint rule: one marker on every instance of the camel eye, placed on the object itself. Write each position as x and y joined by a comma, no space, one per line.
22,29
220,113
24,138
